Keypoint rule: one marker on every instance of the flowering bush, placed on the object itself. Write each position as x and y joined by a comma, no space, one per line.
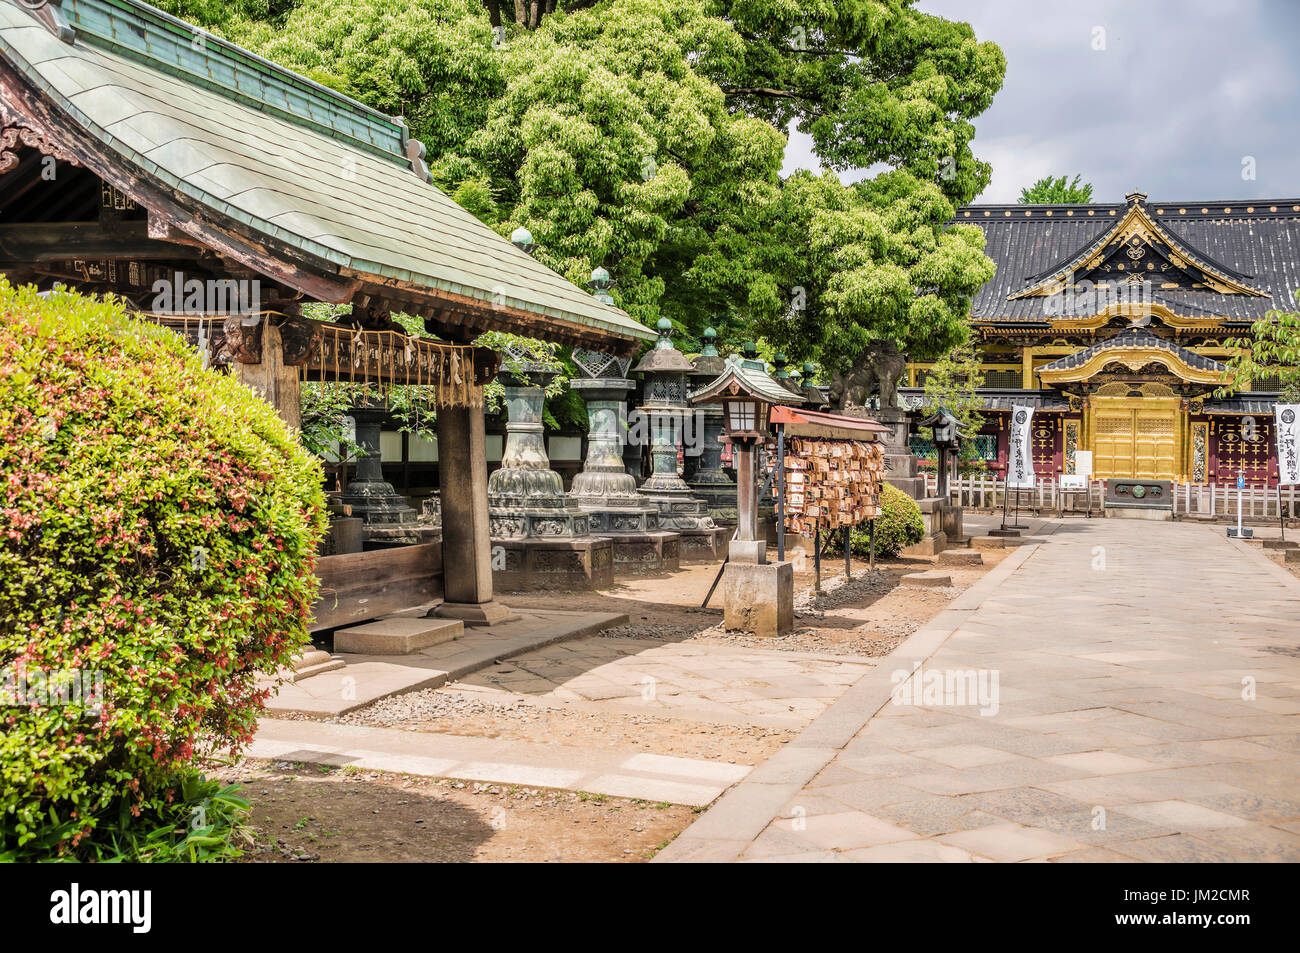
158,525
899,524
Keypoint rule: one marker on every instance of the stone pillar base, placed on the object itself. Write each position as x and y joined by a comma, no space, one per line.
646,552
759,599
934,511
475,613
582,563
704,545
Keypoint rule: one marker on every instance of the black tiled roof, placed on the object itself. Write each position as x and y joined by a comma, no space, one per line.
1260,239
1133,337
1242,405
995,399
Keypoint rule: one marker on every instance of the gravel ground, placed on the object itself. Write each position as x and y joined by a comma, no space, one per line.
450,711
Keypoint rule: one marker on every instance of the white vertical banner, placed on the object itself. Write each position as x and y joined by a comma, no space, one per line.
1287,420
1020,464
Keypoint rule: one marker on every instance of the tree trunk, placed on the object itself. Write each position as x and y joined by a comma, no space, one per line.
494,12
521,12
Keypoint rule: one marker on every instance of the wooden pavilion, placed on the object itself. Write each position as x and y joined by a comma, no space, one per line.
142,156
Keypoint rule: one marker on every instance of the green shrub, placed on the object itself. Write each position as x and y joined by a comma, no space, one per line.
195,820
899,524
158,528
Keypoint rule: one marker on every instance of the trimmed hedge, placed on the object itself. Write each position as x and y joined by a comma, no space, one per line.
158,529
899,524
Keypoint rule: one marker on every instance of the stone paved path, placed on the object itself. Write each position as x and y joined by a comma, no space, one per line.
651,777
1147,709
684,680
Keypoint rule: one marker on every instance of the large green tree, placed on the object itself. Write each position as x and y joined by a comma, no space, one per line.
1059,191
647,136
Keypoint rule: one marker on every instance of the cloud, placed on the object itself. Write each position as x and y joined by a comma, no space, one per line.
1170,97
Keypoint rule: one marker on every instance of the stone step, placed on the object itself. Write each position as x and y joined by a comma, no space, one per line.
988,542
961,557
396,635
927,579
1280,544
309,662
1004,532
332,665
1291,556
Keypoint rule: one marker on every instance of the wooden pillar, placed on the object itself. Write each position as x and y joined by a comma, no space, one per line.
272,380
466,542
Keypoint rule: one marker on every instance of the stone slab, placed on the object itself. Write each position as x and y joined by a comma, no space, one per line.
692,781
367,678
960,557
396,635
927,579
988,542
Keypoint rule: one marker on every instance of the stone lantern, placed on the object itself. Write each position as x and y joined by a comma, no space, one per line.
387,518
604,488
664,417
526,497
704,473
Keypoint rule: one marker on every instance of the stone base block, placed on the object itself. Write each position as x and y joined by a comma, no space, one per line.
1139,513
704,545
646,552
758,599
346,535
586,562
1280,544
399,635
988,542
1291,557
930,546
961,557
474,613
611,521
927,580
912,486
1010,533
951,519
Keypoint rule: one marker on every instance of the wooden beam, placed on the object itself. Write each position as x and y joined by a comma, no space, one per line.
56,241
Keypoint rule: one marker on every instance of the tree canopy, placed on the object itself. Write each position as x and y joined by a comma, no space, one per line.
1050,191
648,137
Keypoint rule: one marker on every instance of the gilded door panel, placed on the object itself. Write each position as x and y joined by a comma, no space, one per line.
1154,451
1135,437
1113,453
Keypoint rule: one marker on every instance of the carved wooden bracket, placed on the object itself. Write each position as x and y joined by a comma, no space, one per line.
297,338
11,134
243,340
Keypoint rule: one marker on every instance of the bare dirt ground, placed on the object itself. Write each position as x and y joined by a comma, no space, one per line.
313,813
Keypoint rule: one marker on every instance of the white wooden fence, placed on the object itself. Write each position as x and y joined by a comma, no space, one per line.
984,491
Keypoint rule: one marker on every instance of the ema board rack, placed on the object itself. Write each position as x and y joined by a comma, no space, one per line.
831,484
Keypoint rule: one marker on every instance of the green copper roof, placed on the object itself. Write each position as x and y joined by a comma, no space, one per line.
283,158
160,41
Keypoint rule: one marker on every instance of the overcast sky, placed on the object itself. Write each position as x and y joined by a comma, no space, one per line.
1181,93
